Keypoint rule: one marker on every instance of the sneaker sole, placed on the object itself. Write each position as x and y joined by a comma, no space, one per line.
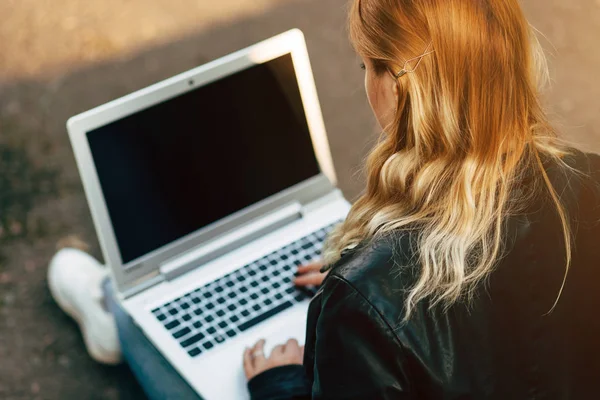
71,312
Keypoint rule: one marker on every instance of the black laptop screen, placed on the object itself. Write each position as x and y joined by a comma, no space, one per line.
180,165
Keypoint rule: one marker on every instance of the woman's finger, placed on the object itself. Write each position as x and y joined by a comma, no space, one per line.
309,279
316,266
278,350
248,367
292,353
257,353
291,345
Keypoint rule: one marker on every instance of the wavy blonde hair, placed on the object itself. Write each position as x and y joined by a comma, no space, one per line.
469,127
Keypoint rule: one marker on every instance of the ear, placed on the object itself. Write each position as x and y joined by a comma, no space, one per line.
395,92
395,87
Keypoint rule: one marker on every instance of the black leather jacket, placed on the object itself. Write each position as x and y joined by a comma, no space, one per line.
504,346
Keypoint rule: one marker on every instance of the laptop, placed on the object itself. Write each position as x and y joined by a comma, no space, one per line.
207,190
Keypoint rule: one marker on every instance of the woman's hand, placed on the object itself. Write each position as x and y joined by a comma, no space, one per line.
255,361
309,274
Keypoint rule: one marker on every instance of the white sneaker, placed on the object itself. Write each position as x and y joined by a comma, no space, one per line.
75,281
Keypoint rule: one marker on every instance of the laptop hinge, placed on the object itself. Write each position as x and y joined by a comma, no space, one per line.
146,282
175,267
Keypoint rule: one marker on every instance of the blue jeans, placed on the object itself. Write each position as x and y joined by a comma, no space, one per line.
155,374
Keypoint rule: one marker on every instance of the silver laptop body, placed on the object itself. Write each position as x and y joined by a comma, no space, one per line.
207,190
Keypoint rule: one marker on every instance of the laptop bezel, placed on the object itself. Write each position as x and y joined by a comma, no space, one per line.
146,267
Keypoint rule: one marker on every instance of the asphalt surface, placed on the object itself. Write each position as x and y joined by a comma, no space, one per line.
62,57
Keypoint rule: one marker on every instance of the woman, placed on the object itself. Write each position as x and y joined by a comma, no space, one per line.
473,251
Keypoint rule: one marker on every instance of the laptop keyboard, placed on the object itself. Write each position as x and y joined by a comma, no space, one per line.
222,309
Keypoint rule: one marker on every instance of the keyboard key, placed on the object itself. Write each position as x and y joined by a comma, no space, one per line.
276,273
161,317
243,289
222,324
209,318
254,284
276,285
252,272
218,289
191,340
300,297
263,267
268,302
198,311
245,313
220,313
287,279
220,300
248,324
287,267
278,296
231,295
234,319
186,317
284,257
254,296
231,307
207,295
181,332
241,278
208,345
307,246
243,302
273,262
173,311
230,333
156,310
290,290
210,306
230,284
197,324
264,278
219,339
256,307
211,330
264,290
194,352
172,324
195,300
185,306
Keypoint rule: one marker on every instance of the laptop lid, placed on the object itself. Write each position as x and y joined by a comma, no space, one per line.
176,164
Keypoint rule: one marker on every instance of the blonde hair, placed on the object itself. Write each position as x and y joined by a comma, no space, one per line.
468,129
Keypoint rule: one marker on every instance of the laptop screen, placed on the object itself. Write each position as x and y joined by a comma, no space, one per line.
180,165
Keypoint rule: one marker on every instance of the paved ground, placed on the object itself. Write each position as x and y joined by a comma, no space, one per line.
61,57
